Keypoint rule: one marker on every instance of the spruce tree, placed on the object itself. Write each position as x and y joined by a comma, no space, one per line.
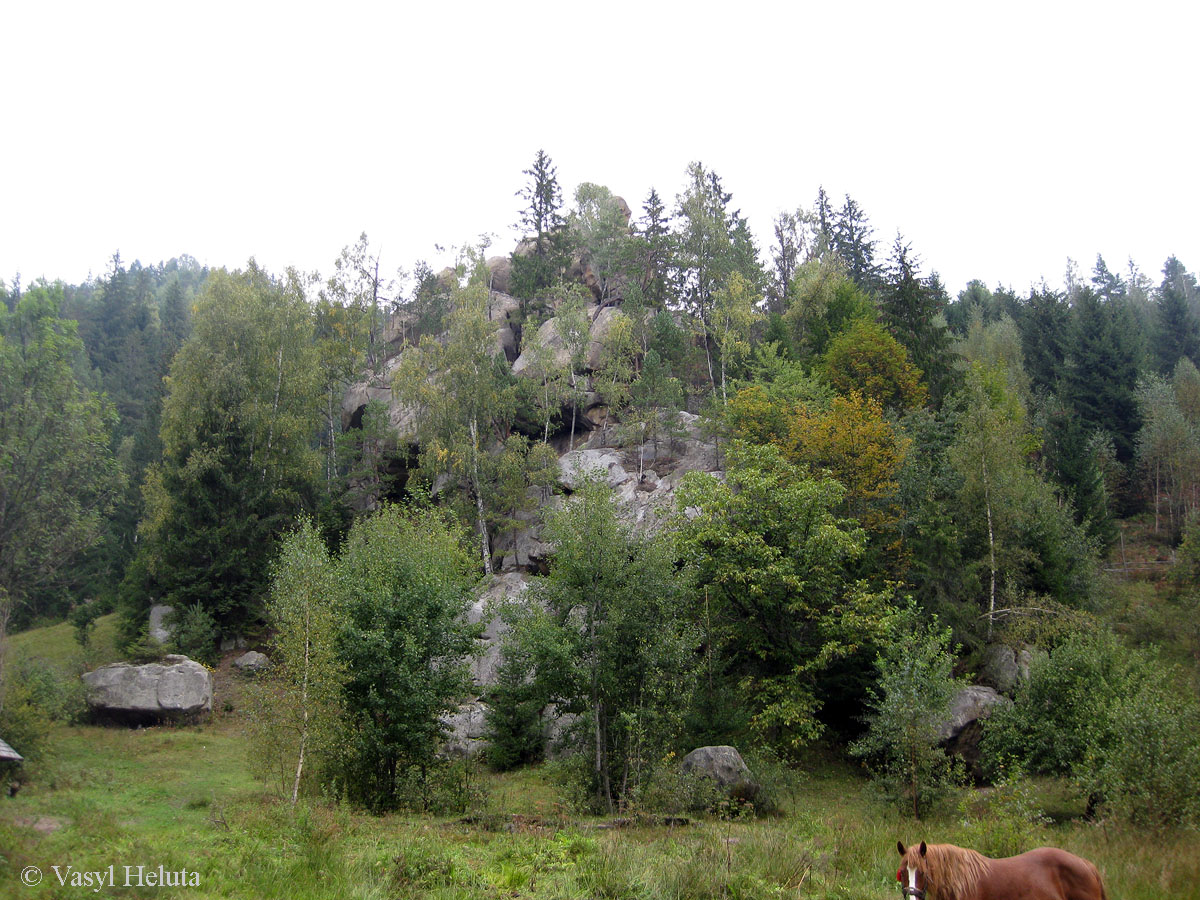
538,266
1176,332
1101,369
852,241
912,307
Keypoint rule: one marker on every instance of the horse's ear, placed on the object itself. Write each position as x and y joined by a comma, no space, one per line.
900,847
923,848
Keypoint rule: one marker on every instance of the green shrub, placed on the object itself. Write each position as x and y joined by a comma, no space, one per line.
1113,720
195,634
1150,765
901,747
59,695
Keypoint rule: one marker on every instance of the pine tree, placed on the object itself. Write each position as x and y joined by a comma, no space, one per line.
653,230
1045,325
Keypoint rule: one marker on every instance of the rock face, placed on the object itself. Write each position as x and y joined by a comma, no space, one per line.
725,766
158,627
500,269
175,689
960,734
501,588
467,727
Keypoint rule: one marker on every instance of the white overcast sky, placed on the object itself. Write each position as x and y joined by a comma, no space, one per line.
1000,138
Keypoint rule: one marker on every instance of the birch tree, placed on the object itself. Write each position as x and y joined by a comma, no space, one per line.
298,716
464,397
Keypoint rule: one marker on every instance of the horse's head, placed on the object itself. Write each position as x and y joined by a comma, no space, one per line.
913,874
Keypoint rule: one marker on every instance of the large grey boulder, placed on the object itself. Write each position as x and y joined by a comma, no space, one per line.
601,327
500,273
724,765
962,730
1005,667
575,467
174,689
252,662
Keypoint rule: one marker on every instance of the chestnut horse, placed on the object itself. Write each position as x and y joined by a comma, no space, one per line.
946,872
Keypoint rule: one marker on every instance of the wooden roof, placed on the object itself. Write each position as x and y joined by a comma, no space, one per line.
8,753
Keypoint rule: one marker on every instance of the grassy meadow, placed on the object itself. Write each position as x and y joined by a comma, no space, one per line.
185,798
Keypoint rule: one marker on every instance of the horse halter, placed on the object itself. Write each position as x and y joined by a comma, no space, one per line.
909,890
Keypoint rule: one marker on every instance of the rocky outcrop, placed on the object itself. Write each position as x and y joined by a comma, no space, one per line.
174,689
500,270
499,589
466,728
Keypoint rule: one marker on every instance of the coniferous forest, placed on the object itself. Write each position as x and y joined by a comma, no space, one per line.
642,484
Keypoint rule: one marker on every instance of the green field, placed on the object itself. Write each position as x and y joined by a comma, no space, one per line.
184,798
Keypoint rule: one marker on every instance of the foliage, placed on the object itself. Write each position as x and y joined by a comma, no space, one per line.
853,442
822,303
83,618
606,637
402,581
618,366
299,699
1168,445
1104,714
655,399
58,477
734,315
600,227
1101,369
712,243
238,463
464,398
540,265
866,359
901,746
789,624
912,308
195,634
1018,535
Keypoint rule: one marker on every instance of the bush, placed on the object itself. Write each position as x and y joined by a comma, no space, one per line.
1150,766
56,694
902,747
83,617
1113,720
1060,714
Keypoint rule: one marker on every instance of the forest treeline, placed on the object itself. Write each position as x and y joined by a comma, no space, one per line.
892,457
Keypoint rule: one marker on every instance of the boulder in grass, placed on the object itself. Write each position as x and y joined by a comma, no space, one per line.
174,689
724,765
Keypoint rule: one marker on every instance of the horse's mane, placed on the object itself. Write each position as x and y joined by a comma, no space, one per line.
954,872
